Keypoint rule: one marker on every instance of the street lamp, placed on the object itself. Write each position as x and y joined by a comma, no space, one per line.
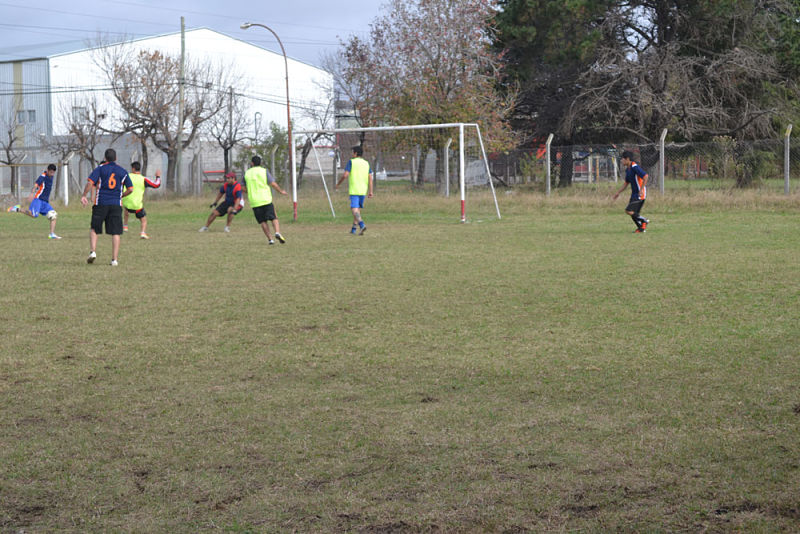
245,26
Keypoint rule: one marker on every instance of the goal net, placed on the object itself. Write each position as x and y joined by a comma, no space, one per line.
433,159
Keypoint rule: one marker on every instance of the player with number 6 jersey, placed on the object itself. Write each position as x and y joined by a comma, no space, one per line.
112,183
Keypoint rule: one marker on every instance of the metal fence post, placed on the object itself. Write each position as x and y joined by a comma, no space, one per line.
547,151
661,162
786,159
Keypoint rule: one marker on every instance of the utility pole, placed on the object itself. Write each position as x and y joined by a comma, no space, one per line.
230,129
181,105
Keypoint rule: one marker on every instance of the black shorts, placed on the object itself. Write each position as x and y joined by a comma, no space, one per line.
265,213
110,215
222,209
140,214
635,206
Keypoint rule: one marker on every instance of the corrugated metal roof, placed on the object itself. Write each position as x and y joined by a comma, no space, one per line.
49,50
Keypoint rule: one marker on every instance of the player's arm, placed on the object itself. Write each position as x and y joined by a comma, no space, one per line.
216,200
33,193
155,185
643,175
127,186
624,185
371,178
89,186
275,186
345,174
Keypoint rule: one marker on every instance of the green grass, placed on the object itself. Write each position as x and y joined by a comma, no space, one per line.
549,371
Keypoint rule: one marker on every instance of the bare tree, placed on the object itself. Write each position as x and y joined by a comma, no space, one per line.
228,127
10,143
146,84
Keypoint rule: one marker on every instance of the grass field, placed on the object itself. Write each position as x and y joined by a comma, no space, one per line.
549,371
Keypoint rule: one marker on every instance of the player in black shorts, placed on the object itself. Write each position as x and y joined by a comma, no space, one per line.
233,203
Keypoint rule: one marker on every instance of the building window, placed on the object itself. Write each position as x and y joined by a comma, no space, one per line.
79,115
27,116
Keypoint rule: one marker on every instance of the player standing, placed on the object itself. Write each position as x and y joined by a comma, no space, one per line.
112,183
232,205
39,200
360,183
134,202
637,178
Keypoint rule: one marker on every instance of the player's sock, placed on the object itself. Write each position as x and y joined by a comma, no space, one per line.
636,220
361,224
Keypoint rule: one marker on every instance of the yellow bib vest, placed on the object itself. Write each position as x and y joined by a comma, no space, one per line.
134,201
359,176
259,192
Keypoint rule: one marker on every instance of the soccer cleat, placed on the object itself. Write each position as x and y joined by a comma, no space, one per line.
363,229
92,257
114,263
271,242
280,238
13,208
644,224
353,230
53,236
639,231
144,236
124,227
203,229
227,229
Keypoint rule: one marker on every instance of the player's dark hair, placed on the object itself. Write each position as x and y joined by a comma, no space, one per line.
627,155
136,166
256,160
358,150
52,167
110,155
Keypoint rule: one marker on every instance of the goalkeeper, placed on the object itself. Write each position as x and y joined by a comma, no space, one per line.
134,203
360,176
233,203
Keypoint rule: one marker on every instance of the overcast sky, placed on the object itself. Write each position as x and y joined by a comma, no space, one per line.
306,27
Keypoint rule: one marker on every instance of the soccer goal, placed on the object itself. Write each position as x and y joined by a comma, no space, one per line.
444,159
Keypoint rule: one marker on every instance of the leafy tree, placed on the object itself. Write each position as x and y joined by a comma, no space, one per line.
429,61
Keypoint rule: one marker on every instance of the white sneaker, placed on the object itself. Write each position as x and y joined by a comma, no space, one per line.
203,229
271,242
114,263
227,229
92,257
53,236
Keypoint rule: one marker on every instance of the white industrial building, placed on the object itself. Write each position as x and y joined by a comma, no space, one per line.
37,87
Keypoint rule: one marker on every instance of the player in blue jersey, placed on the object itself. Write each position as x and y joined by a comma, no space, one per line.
637,178
39,200
233,204
112,183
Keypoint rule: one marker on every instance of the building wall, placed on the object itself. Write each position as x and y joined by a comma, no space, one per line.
25,98
257,73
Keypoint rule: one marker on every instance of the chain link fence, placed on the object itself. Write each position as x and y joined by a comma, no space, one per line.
721,164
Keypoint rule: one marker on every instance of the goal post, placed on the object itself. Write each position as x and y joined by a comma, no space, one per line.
419,157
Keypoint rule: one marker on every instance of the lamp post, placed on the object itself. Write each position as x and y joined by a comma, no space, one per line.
290,143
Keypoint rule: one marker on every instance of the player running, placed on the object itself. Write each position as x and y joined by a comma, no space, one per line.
233,204
635,176
39,200
134,203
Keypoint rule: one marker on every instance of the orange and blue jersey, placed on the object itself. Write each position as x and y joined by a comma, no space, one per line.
233,192
44,184
635,176
111,180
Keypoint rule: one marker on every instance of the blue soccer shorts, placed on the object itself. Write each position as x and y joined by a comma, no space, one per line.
357,201
39,207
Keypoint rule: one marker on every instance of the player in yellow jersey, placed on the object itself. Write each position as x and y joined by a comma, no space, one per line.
258,183
360,184
134,203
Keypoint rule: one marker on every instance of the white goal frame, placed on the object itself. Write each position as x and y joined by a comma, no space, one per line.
461,158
